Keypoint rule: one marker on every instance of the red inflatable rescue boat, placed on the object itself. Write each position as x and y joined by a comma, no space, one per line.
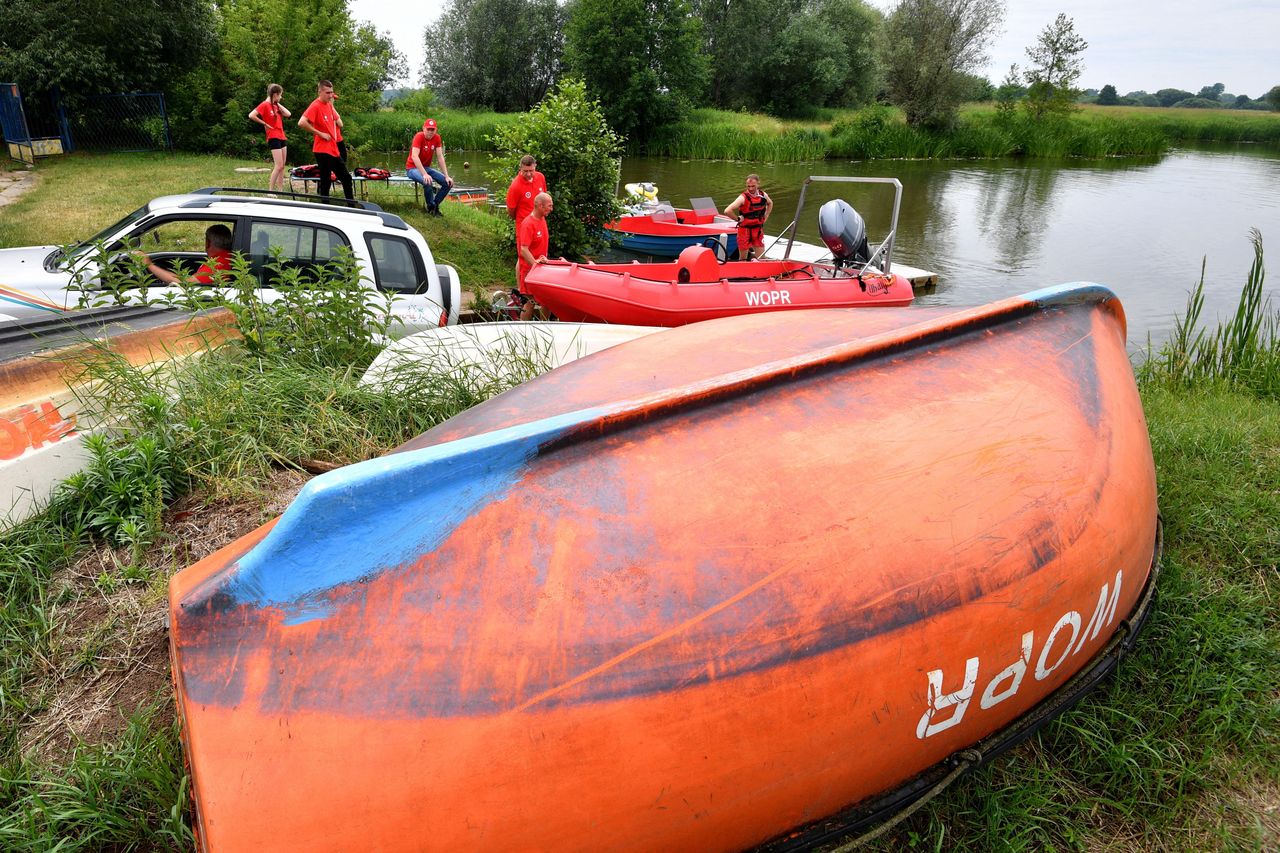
693,592
696,287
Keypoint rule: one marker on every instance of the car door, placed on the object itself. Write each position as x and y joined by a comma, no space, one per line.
279,247
173,242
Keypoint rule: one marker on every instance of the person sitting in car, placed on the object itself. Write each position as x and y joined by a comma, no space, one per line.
217,245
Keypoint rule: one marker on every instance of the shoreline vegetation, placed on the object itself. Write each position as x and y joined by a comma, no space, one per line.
1179,750
876,132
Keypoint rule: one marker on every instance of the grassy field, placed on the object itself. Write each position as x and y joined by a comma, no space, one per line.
1179,751
81,194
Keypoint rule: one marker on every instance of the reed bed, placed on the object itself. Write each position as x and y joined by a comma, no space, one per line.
392,131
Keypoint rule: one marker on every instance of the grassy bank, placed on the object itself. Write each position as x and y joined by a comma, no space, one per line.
1179,751
876,132
881,133
390,131
80,194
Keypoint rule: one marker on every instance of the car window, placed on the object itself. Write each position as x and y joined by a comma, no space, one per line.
301,247
394,265
177,235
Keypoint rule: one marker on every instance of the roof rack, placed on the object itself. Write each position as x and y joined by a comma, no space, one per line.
280,197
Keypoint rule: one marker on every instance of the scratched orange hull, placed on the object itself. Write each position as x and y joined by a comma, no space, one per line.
684,594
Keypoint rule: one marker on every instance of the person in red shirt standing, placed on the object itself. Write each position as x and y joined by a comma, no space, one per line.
532,239
271,115
527,184
321,120
751,209
217,245
426,142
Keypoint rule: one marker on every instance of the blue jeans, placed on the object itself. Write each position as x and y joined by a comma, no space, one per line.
441,190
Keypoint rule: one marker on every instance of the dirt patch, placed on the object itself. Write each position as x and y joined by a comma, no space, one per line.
15,184
109,656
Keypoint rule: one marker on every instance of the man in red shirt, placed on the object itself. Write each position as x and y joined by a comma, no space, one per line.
426,142
532,239
527,184
321,120
217,245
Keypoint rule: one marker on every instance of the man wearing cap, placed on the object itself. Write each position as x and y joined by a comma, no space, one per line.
321,120
425,142
526,186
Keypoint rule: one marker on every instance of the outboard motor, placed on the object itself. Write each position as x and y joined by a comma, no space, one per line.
844,232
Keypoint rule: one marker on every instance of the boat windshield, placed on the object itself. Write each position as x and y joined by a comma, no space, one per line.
54,260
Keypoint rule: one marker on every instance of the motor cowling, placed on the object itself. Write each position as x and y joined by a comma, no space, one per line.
844,232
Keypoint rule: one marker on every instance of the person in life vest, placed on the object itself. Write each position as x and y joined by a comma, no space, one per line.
271,115
426,142
217,245
533,237
751,209
321,120
524,188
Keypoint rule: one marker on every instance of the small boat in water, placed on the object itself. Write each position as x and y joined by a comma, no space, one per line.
697,287
664,231
750,581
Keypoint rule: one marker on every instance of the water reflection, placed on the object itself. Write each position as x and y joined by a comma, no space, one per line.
994,228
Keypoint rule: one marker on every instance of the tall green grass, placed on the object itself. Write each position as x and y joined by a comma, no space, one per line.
879,132
129,795
1243,353
392,131
874,132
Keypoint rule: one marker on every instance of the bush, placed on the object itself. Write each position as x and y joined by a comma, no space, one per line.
578,153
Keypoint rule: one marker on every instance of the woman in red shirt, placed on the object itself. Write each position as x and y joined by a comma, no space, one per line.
271,115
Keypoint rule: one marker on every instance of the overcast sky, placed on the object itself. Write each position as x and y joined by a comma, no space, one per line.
1133,44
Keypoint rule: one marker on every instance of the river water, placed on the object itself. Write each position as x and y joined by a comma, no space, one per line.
994,228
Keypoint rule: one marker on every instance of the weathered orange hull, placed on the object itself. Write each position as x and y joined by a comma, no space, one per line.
41,359
687,593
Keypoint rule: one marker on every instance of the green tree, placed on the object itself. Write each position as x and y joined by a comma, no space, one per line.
294,43
978,88
1055,66
94,47
501,54
1108,97
1272,97
1169,97
578,153
927,48
858,26
1211,93
641,59
806,67
1008,93
736,35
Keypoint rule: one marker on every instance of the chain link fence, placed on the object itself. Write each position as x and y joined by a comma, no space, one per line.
136,122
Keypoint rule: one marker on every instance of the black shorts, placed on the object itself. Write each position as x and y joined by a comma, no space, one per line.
273,144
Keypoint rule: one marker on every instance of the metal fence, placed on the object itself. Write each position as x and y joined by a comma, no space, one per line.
136,122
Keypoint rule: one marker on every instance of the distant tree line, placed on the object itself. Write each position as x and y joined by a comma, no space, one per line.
212,61
1209,97
648,63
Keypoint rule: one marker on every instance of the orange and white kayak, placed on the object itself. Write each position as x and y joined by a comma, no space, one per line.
692,592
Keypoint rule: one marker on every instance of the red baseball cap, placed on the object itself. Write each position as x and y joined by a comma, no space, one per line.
429,124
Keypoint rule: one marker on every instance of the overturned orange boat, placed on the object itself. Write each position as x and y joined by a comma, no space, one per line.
750,581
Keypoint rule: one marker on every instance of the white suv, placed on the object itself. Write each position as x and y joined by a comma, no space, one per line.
393,257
